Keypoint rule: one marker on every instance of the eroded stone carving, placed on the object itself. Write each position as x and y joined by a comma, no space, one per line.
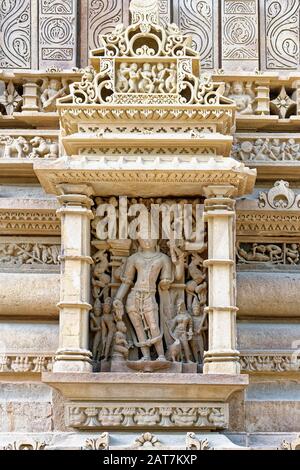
18,254
100,443
268,253
26,445
25,363
193,443
269,362
51,90
243,96
266,149
26,147
293,445
110,416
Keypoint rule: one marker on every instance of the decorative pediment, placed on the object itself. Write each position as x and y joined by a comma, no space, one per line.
145,63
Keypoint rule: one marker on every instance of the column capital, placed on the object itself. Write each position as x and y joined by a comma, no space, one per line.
219,191
65,189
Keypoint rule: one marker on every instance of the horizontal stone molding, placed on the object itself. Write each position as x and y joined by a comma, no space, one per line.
261,362
26,363
153,415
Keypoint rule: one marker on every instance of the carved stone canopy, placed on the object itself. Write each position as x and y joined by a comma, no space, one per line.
144,120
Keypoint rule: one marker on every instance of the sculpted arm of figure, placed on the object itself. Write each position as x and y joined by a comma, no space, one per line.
127,280
166,274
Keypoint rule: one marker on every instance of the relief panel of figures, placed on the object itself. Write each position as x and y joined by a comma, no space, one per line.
149,299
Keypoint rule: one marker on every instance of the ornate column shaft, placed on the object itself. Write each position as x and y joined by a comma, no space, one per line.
75,213
221,357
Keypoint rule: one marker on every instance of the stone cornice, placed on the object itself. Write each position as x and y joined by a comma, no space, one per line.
31,217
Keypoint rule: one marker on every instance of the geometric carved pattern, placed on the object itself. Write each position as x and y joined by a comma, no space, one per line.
15,34
57,32
240,30
282,34
196,18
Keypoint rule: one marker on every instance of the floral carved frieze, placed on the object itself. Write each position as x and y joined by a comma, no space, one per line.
151,415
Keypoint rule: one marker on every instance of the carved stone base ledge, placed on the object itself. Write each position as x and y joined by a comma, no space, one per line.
151,401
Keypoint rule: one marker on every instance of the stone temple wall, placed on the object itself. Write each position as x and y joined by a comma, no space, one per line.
251,50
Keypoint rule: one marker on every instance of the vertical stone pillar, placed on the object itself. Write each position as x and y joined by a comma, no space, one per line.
222,356
30,97
75,212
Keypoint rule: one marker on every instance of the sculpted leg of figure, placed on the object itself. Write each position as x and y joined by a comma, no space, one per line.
186,349
138,326
108,344
152,318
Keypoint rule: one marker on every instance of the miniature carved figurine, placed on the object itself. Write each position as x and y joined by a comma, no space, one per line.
148,266
52,90
197,342
146,83
101,278
122,84
17,147
243,97
292,253
197,273
95,327
43,148
121,347
182,330
133,79
108,328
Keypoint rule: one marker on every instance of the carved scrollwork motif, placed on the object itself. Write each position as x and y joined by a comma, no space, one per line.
282,34
15,49
279,197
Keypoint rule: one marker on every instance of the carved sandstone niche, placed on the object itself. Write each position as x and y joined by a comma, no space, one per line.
149,295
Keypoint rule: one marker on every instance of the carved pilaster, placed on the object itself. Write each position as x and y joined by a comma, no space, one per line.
221,357
75,213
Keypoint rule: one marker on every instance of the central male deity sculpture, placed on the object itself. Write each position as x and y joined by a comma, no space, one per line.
146,273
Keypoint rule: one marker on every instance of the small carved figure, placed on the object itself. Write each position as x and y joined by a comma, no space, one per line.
43,148
147,265
146,83
16,148
121,347
243,97
95,327
198,275
171,81
292,253
52,90
200,325
133,79
108,328
182,330
122,84
101,278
